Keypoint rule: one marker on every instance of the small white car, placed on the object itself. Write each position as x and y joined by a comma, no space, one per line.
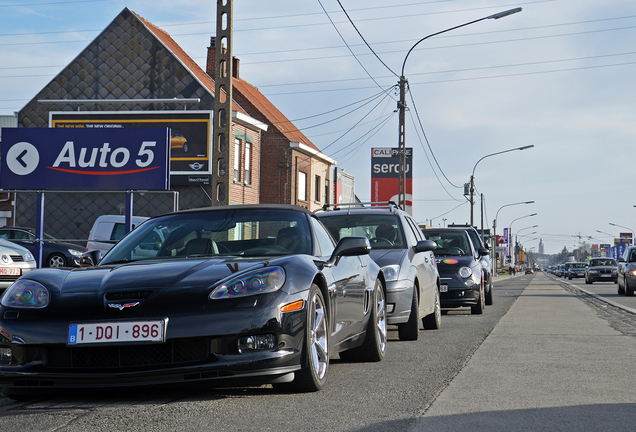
15,261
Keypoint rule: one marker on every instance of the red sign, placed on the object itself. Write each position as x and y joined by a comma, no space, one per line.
385,176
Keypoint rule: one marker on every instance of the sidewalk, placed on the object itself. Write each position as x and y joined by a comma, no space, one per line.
551,364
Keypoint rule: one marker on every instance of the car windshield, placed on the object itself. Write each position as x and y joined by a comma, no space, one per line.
603,262
382,230
449,243
577,265
243,232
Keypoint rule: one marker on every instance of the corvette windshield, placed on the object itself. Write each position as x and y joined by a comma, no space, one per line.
245,232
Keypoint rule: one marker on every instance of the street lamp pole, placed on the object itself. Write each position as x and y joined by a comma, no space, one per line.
621,226
402,103
510,233
472,177
494,231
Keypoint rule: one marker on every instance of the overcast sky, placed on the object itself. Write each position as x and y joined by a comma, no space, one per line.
559,75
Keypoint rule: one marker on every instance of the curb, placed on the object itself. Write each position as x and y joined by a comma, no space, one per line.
597,296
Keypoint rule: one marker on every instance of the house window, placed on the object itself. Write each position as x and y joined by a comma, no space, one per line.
237,160
302,186
327,191
247,174
317,189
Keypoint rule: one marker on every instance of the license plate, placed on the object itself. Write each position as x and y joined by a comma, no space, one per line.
10,271
606,275
443,288
122,331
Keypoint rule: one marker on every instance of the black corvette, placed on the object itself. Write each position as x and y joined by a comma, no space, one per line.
235,294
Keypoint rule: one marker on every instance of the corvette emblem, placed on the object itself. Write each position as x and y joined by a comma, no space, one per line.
122,306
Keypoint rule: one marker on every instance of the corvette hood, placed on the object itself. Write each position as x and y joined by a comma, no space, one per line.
185,273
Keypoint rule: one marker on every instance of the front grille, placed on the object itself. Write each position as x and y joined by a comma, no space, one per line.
8,278
129,356
17,258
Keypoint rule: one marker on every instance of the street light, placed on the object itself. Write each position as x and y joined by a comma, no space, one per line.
402,102
510,233
472,177
621,226
608,234
530,227
494,231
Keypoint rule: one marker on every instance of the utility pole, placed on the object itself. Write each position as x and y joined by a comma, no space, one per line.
222,124
402,144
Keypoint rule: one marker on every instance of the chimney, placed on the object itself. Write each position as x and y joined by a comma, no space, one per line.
209,67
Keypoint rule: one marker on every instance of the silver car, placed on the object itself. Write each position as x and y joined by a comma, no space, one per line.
406,258
15,261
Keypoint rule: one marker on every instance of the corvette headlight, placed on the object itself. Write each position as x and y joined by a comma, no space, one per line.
264,280
391,272
26,293
465,272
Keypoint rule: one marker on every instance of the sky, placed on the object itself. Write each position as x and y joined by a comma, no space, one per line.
557,76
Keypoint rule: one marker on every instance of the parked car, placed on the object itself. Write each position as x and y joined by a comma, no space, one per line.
234,294
108,230
54,253
601,270
406,259
15,261
576,270
626,277
486,263
460,270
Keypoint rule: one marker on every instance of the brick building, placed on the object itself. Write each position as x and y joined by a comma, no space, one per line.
133,68
295,170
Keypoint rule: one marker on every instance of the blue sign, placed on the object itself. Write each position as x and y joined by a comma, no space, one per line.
85,159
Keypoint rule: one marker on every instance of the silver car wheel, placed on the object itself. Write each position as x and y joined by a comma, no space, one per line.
380,307
318,338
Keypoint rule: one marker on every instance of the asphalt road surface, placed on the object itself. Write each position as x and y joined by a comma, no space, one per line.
389,395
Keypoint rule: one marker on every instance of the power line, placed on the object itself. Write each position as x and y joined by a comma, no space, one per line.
364,40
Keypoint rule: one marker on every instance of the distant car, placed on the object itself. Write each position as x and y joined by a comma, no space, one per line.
626,277
54,253
406,259
486,263
15,261
234,295
565,268
460,270
529,271
601,270
576,270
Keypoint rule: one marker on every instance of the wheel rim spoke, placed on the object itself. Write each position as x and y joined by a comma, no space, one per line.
381,314
319,350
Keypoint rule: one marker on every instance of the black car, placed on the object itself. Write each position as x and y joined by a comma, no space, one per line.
576,270
233,294
406,259
486,263
601,269
627,272
459,268
54,253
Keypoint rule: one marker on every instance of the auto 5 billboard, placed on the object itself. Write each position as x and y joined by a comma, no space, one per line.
385,176
190,132
83,159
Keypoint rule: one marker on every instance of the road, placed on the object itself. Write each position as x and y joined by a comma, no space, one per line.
389,395
607,290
